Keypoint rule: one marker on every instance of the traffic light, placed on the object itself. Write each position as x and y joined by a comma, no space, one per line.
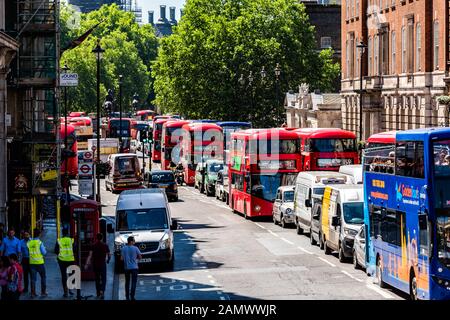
144,136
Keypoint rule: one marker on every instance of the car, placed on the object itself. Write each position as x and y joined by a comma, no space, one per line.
145,214
164,179
199,179
283,207
212,167
359,249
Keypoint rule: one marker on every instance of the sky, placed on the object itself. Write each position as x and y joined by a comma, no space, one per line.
148,5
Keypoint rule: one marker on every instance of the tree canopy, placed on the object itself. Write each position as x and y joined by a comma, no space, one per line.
129,50
219,42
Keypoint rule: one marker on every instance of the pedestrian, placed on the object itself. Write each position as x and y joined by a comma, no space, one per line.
130,255
4,265
64,249
99,256
37,252
10,244
2,232
25,259
15,276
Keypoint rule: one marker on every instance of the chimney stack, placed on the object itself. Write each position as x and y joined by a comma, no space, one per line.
162,16
172,16
181,12
151,16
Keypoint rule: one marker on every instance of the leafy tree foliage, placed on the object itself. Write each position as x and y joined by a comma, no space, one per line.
198,67
129,50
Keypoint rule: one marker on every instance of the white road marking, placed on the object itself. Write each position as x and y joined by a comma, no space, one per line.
213,220
348,274
212,281
261,226
304,250
380,291
287,241
273,233
210,276
324,260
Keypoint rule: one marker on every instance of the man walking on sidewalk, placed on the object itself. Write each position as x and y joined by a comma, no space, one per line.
64,250
25,259
10,244
37,252
97,256
130,255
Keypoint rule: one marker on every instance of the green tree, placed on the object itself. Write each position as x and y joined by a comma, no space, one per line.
198,67
129,50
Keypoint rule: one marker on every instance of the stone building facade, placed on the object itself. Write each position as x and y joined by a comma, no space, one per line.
404,66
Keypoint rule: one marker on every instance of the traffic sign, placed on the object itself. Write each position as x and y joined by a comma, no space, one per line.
87,155
85,170
94,148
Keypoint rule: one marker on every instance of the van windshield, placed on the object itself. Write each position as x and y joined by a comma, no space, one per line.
354,212
142,219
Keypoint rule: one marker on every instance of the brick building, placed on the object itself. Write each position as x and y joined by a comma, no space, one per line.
405,64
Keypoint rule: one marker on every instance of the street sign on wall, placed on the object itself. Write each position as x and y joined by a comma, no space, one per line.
68,79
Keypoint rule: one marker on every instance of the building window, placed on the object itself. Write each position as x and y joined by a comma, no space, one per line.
325,42
352,47
403,50
410,46
352,8
418,46
357,8
376,49
436,45
369,54
347,11
393,71
384,51
347,59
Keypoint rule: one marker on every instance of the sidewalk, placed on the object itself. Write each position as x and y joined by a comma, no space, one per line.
54,286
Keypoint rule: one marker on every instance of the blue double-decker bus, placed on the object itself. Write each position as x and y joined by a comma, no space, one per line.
407,213
228,128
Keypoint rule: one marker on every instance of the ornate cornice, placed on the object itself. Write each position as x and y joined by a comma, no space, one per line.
8,50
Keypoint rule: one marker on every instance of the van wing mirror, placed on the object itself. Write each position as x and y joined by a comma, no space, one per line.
174,225
335,221
109,228
308,203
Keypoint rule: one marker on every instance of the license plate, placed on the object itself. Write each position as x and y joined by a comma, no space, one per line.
163,186
146,260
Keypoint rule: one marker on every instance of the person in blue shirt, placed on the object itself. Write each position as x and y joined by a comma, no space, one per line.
10,244
25,259
130,254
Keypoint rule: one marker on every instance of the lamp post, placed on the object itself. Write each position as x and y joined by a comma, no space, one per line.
361,47
120,112
66,163
277,71
98,51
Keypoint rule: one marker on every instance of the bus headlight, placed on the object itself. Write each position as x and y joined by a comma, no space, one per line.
164,243
257,208
350,232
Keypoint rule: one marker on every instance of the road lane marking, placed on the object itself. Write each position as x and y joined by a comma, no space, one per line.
210,276
324,260
304,250
287,241
213,220
273,233
261,226
349,275
380,291
212,281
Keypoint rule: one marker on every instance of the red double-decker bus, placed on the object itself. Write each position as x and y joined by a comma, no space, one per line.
157,133
327,148
200,142
144,115
72,162
381,139
84,129
170,138
261,160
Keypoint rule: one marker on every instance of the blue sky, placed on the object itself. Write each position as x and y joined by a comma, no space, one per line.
154,5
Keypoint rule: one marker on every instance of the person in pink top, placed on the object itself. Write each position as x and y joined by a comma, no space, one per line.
4,265
15,278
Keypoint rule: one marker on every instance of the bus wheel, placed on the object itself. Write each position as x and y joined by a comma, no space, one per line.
413,287
321,246
379,274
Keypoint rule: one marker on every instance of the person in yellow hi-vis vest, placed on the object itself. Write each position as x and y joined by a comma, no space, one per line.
64,249
37,252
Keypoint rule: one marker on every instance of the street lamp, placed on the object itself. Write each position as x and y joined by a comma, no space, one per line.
277,71
263,74
361,48
98,51
120,112
135,102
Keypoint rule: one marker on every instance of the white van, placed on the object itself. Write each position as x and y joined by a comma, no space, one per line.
145,215
307,185
354,171
125,172
342,217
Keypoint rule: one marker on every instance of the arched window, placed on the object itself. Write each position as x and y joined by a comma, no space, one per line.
436,45
394,53
403,50
418,47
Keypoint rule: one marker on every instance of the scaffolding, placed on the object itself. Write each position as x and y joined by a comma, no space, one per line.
131,6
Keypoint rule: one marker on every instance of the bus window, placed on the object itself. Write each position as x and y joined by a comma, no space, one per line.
410,159
330,145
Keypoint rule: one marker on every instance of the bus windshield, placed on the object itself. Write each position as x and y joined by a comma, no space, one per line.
266,186
142,219
285,146
331,145
215,167
353,212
